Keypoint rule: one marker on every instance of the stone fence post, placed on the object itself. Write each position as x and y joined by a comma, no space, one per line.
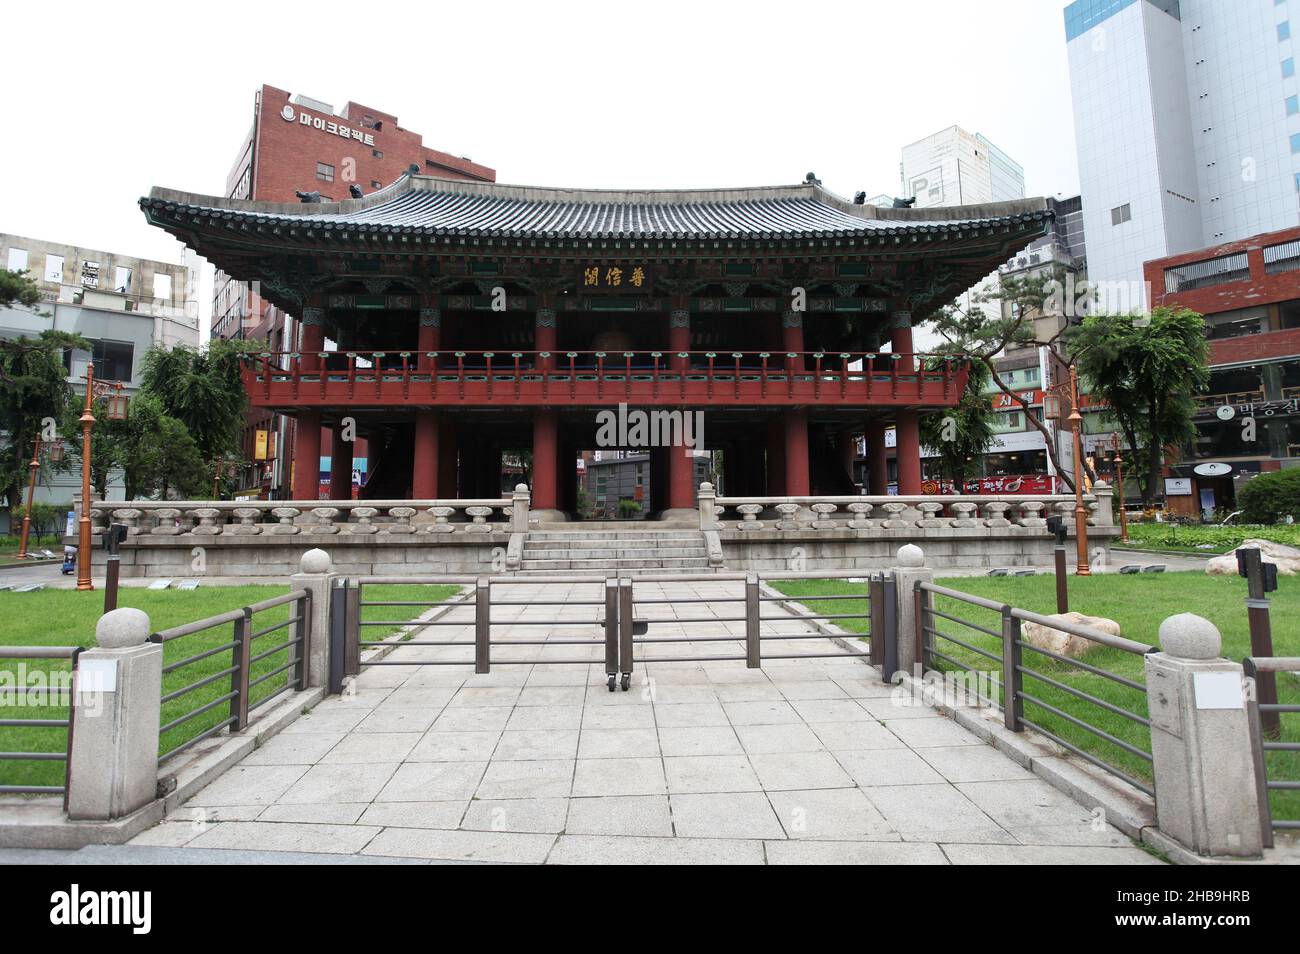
708,513
1105,516
1200,742
315,576
519,509
911,568
113,766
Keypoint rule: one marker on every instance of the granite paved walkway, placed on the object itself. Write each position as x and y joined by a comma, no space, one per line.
802,761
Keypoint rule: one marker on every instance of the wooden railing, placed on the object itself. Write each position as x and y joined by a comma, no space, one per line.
585,377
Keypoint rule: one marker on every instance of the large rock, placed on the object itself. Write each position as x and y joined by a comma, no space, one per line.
1063,643
1286,558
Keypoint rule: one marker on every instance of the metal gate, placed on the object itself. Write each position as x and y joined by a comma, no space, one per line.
629,625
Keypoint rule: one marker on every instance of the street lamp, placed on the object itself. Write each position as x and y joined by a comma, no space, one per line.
34,466
1119,488
1052,407
87,421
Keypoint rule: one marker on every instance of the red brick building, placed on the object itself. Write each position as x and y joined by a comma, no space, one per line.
1249,421
299,144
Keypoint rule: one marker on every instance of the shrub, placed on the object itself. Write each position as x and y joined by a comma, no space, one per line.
1271,497
628,508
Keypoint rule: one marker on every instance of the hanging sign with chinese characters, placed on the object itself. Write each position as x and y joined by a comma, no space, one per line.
623,278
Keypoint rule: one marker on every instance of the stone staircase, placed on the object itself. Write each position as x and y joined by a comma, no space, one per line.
615,547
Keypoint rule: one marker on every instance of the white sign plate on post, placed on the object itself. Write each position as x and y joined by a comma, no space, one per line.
96,676
1218,690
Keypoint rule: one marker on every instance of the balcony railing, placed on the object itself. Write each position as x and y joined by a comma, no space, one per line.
587,377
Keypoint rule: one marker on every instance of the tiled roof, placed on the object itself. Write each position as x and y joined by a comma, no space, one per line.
443,207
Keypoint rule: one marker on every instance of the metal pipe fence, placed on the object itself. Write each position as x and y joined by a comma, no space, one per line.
625,631
52,698
1071,709
1275,757
248,666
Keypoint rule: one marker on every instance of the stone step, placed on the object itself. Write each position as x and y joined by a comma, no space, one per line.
588,534
616,544
649,553
606,526
625,571
618,566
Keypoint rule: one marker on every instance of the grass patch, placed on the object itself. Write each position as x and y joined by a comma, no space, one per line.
67,618
1196,538
1138,603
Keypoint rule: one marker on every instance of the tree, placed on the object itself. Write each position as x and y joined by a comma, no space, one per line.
154,451
34,387
1148,370
982,336
963,433
201,389
1268,498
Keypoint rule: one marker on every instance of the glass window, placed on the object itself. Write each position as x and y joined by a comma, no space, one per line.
162,286
324,172
121,279
1288,67
1295,142
1292,105
54,268
1284,30
1121,214
17,260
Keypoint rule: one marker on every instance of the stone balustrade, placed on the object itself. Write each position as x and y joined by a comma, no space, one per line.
249,518
923,513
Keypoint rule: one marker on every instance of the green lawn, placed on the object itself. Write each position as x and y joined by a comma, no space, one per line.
1138,603
1198,538
67,618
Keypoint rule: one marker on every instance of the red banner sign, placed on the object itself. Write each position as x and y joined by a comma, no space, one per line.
1027,484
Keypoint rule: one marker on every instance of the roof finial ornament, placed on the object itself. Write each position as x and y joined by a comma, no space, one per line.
811,179
307,197
904,203
859,198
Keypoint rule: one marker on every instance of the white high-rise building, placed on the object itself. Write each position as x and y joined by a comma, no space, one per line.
953,167
1187,125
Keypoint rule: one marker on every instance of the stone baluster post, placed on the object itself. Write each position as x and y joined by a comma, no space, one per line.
706,499
907,572
1200,742
315,574
113,767
519,502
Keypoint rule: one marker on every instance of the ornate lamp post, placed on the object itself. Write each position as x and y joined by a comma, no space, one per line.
83,524
1119,488
1052,411
34,466
116,411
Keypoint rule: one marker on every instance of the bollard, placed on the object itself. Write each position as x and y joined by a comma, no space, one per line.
113,765
314,575
1206,796
911,568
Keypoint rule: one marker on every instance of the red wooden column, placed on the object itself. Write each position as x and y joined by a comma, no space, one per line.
306,456
775,458
877,460
545,459
424,471
679,332
447,454
906,424
546,330
312,336
340,465
681,477
430,336
797,483
792,338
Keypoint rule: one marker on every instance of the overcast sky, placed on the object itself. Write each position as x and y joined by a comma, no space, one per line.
108,102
